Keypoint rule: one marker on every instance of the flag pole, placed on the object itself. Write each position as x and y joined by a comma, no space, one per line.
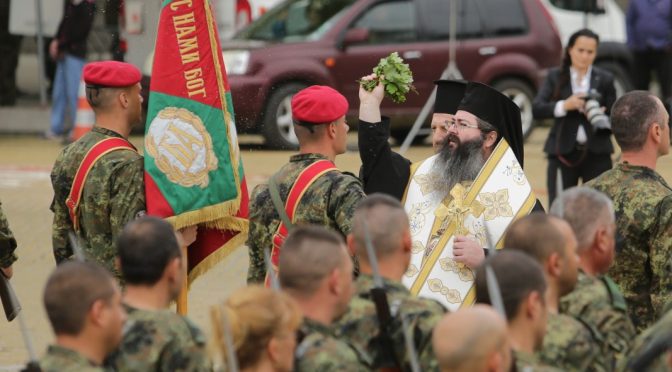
183,297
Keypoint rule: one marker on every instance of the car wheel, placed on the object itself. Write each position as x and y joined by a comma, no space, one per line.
622,81
278,126
520,93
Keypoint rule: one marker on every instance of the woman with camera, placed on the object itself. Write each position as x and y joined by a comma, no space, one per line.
578,96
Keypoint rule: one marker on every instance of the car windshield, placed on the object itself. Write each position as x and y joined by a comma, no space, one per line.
295,20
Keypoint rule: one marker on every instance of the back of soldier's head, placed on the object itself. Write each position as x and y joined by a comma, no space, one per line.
385,220
145,247
517,274
482,340
71,290
103,99
255,315
307,257
537,235
586,210
631,117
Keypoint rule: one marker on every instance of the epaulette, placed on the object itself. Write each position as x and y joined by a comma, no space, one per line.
617,299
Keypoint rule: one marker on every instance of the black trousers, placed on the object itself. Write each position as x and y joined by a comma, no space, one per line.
590,167
648,61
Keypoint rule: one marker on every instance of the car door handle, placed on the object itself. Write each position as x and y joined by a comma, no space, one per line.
412,54
487,51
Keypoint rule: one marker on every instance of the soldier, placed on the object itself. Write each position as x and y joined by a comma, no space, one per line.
312,190
156,339
83,304
262,324
316,271
568,343
643,204
654,341
386,222
483,345
98,180
596,298
523,287
7,246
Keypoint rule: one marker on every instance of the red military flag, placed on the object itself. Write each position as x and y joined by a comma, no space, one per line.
193,171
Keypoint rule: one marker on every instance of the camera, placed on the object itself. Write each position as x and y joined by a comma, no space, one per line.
594,113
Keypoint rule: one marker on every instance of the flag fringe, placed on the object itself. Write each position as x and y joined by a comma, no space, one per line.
217,256
211,214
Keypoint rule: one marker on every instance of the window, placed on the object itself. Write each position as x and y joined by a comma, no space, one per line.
475,18
588,6
509,20
434,16
295,20
389,22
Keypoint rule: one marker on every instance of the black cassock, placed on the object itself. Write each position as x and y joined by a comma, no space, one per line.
384,170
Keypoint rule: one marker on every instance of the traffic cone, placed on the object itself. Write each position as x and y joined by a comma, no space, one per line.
84,118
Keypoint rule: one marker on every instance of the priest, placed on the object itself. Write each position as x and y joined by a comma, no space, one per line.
460,200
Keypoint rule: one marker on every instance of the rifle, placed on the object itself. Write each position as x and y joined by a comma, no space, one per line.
379,298
10,303
77,250
494,292
652,350
12,308
231,360
275,284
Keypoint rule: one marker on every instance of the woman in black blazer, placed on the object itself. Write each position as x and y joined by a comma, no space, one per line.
574,146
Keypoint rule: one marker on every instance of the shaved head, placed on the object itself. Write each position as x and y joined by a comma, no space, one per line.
482,340
384,219
308,256
537,235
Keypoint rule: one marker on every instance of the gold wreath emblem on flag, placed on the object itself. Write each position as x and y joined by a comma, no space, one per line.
181,147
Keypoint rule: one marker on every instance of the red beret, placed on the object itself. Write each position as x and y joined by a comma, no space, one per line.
111,74
318,104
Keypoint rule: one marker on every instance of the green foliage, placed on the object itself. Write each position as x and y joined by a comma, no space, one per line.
397,78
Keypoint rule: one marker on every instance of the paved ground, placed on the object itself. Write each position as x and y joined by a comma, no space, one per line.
25,192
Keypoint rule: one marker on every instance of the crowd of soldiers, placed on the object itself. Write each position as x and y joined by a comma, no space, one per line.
333,259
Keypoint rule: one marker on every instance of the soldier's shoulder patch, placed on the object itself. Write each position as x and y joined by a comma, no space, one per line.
617,299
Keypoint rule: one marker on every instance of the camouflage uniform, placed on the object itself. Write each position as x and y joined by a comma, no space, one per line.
526,362
359,326
599,303
7,242
60,359
160,340
330,201
643,205
662,328
570,346
320,350
113,194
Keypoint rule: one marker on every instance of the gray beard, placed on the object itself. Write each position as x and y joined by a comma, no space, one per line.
453,166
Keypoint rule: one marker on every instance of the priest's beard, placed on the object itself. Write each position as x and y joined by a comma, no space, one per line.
462,163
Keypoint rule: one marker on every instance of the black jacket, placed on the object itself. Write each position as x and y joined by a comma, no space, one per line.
562,138
73,31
